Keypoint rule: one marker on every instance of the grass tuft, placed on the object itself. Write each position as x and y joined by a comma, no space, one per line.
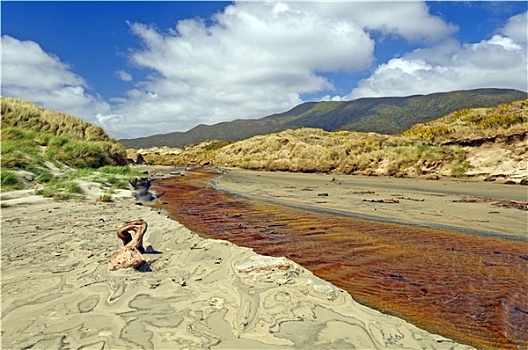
10,181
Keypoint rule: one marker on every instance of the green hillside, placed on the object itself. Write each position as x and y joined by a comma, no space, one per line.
484,141
385,115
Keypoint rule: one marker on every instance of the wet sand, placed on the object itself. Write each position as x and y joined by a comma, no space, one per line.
460,205
57,291
467,286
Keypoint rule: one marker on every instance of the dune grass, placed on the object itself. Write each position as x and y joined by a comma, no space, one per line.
56,150
28,116
420,151
473,123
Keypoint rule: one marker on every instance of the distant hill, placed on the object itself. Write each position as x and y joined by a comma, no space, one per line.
483,142
386,115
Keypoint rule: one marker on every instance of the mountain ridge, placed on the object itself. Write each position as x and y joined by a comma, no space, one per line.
488,143
387,115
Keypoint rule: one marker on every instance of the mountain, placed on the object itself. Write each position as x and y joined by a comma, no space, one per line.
386,115
477,142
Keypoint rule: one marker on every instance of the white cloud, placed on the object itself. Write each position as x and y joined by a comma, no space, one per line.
257,58
123,75
498,62
253,60
516,28
32,74
408,19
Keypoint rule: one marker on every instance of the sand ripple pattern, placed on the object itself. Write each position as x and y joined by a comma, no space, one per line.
58,293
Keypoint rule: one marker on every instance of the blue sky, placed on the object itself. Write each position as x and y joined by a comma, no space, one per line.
144,68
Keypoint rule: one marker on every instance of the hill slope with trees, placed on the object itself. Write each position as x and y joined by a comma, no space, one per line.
385,115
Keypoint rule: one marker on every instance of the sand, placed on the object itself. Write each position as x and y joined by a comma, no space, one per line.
471,206
57,290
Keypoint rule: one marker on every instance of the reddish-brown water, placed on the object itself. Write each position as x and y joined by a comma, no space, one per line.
470,288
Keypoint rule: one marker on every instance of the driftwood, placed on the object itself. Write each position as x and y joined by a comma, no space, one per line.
131,254
386,200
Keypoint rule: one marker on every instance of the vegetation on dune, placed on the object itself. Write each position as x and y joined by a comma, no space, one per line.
199,154
10,181
385,115
432,149
68,184
55,150
474,123
423,150
28,116
315,150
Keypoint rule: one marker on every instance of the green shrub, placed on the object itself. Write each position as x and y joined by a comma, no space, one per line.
45,176
61,190
119,170
72,187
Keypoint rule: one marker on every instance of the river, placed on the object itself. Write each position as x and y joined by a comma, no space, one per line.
468,287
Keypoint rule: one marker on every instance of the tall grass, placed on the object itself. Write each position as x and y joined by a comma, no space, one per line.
418,151
26,115
475,122
35,140
10,181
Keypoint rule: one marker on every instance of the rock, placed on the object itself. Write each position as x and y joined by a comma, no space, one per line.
141,189
524,182
29,177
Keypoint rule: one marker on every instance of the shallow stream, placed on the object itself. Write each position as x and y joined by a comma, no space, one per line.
469,288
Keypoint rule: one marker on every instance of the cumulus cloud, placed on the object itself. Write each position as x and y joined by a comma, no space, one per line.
257,58
515,28
407,19
251,60
498,62
28,72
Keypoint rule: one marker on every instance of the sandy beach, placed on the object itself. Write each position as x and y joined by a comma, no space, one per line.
472,206
58,292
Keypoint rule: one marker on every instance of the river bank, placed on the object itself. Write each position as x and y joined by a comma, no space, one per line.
464,283
57,291
458,204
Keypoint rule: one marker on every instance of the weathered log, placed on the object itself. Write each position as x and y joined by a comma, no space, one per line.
130,255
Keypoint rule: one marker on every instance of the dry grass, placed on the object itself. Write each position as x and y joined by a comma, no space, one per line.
200,154
420,151
428,150
474,123
27,115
